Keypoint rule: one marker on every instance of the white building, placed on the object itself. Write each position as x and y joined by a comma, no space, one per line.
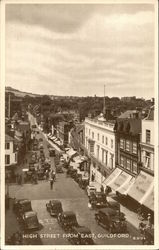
10,152
100,146
147,142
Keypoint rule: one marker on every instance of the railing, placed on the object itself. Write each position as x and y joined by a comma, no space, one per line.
107,125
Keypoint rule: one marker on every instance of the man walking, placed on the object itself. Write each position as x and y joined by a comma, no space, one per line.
51,183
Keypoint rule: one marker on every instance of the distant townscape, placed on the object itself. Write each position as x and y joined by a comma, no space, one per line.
87,152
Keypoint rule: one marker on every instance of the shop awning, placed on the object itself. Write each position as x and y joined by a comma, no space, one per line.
148,198
120,180
112,176
78,159
74,165
124,189
71,152
141,186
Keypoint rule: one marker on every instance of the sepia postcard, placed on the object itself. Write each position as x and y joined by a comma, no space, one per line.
79,125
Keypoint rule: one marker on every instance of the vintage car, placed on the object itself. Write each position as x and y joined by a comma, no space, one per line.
81,236
114,221
98,200
52,152
41,174
30,220
59,169
54,207
90,189
83,183
67,220
148,236
20,206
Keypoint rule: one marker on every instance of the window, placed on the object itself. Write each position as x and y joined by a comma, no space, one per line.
97,151
121,143
92,135
134,167
111,143
106,157
148,134
128,166
147,159
103,139
91,146
127,145
7,159
134,148
102,155
15,157
89,131
111,160
106,141
7,145
98,136
122,161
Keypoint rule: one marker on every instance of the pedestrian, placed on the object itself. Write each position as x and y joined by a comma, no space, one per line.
51,183
102,189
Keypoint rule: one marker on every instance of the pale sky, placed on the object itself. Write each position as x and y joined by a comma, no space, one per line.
74,49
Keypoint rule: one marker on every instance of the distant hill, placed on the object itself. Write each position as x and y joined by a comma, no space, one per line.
20,93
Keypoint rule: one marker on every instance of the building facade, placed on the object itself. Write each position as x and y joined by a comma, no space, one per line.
127,132
62,132
147,143
100,147
10,152
76,138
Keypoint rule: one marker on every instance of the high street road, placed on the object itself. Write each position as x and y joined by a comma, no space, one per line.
73,198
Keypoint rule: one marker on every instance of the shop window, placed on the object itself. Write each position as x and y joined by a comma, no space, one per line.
134,167
121,143
128,164
134,148
122,161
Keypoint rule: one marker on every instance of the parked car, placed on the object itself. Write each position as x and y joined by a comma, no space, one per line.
83,183
112,220
52,152
98,200
30,221
41,174
67,220
90,189
82,236
54,207
20,206
59,169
